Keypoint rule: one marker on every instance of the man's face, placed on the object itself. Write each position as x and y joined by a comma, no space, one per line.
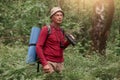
57,17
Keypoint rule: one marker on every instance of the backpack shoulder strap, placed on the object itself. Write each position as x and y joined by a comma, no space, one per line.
62,31
49,29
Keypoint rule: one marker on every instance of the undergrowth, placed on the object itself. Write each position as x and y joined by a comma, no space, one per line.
77,67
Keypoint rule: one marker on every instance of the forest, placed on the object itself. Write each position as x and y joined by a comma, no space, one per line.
89,59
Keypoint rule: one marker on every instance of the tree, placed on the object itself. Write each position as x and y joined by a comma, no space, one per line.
101,22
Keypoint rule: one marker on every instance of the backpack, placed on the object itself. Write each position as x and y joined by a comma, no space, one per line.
32,56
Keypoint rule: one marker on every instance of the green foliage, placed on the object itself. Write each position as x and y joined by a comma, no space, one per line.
77,67
18,17
16,20
117,45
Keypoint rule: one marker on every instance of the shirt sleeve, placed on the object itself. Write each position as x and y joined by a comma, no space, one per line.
66,42
40,44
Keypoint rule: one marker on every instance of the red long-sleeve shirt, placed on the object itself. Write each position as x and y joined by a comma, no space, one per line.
48,47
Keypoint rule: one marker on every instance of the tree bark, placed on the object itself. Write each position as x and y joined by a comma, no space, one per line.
101,22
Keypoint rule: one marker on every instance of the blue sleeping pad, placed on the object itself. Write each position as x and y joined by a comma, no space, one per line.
31,56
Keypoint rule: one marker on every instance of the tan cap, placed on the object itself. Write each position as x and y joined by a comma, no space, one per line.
54,10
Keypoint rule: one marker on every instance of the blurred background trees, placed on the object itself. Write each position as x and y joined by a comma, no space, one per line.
17,17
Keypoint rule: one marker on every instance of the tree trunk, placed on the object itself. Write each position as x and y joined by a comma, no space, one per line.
102,19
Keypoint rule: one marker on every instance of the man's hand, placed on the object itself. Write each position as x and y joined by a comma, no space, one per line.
46,68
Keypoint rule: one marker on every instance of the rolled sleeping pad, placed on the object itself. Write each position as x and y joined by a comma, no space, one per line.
31,56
